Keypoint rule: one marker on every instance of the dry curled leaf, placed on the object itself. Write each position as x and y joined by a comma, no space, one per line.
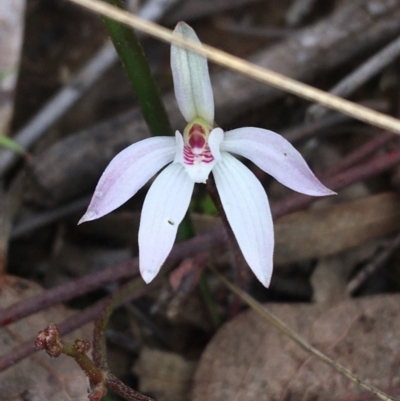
250,360
37,377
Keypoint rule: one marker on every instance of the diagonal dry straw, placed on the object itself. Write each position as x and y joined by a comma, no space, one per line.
246,68
270,317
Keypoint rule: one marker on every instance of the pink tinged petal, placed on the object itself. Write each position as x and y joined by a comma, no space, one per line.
247,210
200,166
127,173
163,210
192,84
277,157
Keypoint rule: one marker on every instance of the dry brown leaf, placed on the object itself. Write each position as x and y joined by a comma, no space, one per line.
165,375
315,233
331,274
37,378
250,360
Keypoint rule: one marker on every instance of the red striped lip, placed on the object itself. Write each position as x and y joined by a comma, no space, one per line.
196,149
197,156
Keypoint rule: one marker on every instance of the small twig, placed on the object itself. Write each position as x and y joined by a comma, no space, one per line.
124,391
372,266
362,152
47,217
247,68
359,76
280,325
100,379
50,341
97,370
229,25
308,128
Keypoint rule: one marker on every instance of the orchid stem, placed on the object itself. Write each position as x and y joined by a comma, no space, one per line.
209,300
186,229
135,63
185,232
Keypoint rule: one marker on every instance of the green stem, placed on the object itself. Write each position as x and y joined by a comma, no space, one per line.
135,63
185,232
209,300
94,374
186,229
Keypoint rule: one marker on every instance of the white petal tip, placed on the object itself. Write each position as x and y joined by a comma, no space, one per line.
147,275
183,28
326,192
266,282
316,189
263,278
88,216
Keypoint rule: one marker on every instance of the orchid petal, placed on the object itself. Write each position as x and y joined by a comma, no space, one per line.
179,148
277,157
192,84
163,210
214,142
247,210
127,173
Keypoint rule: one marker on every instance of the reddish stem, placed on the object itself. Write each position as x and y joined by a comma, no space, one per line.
69,325
361,153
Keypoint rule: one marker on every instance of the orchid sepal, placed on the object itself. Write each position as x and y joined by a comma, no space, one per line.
192,84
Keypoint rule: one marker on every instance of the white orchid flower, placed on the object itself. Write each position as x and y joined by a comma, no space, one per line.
191,158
